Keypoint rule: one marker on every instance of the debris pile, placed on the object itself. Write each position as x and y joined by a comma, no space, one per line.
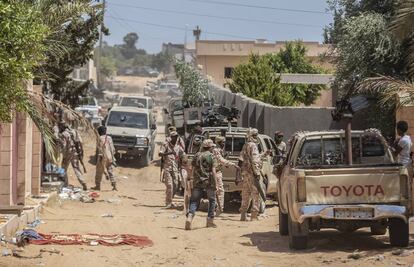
78,194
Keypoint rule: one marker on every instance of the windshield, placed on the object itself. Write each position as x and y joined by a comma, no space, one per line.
176,105
367,149
128,119
134,102
87,101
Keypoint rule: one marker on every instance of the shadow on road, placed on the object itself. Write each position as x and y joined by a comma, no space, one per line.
324,241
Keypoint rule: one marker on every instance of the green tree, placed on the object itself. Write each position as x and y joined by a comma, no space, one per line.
77,37
129,49
397,89
194,86
259,78
108,66
21,40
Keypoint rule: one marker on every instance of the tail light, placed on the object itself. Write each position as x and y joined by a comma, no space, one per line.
404,186
301,189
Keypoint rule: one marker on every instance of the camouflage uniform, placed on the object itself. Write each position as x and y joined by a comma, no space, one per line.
70,156
251,166
170,167
279,159
221,162
105,160
204,165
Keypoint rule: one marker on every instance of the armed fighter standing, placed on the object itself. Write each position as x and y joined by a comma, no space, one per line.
250,162
72,151
218,152
171,153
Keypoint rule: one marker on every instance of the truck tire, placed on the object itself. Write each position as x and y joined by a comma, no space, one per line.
378,229
145,160
283,224
298,234
399,232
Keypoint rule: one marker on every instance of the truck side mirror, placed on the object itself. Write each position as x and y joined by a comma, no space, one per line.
165,111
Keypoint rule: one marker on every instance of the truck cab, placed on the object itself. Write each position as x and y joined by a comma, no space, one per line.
317,189
133,131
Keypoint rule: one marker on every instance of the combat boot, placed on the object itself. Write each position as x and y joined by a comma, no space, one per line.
96,188
84,187
189,221
243,216
114,186
255,216
210,223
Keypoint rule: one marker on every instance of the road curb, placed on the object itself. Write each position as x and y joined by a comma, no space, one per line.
12,222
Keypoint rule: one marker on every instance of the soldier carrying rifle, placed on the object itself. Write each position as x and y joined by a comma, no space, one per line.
250,162
171,154
72,151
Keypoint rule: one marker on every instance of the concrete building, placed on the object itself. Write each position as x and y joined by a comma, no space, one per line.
217,60
20,159
85,72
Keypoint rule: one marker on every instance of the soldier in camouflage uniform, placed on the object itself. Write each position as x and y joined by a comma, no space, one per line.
221,162
105,159
251,163
171,153
204,179
69,139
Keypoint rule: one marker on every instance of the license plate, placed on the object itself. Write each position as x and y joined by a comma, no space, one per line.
122,152
355,213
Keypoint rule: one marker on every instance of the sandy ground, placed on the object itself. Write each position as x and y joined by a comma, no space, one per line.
233,243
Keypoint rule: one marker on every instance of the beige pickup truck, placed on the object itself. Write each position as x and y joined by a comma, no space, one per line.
318,190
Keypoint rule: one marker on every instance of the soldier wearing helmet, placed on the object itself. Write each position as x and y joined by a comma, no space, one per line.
218,152
250,162
171,153
203,180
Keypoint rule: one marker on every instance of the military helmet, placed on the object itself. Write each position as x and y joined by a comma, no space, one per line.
208,143
220,139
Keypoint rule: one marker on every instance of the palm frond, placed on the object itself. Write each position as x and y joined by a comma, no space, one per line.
41,110
402,24
392,91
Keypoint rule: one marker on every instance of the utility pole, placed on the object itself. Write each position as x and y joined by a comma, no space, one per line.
98,58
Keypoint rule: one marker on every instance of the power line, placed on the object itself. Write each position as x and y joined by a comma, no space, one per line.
124,24
183,29
214,16
260,7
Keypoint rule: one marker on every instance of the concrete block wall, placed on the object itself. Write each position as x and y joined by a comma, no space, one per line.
268,119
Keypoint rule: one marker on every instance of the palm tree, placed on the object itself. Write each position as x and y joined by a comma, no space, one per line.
392,90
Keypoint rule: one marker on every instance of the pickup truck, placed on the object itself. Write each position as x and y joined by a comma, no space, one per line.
317,189
91,110
133,132
235,139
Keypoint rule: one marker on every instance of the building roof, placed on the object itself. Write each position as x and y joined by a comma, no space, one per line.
245,48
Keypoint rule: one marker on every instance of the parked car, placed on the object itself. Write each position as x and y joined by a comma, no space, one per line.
133,131
319,190
91,110
235,139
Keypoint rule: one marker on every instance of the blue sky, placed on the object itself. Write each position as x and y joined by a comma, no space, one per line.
159,21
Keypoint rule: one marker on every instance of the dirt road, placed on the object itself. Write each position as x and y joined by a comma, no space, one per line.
234,243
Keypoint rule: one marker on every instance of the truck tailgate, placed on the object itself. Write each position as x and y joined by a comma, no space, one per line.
353,185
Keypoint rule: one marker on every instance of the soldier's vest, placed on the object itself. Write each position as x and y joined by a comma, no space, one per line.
203,165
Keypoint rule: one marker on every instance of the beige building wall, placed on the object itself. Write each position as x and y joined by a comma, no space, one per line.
6,164
20,160
214,56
